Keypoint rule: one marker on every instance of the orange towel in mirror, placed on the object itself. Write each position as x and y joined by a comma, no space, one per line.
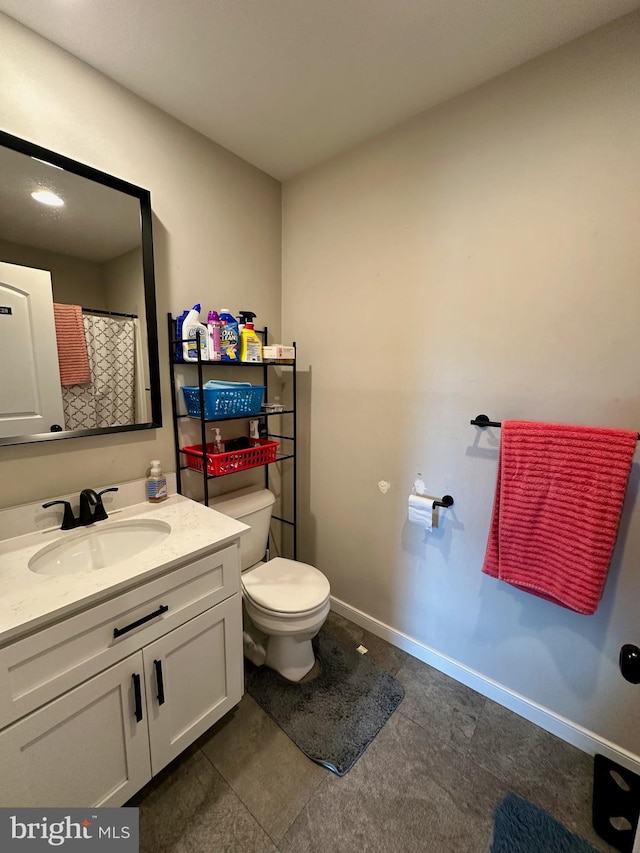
72,345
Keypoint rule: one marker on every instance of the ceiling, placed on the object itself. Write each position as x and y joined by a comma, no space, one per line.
96,223
285,84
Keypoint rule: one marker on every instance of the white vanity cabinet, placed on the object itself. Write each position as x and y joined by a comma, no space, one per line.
93,706
192,676
84,748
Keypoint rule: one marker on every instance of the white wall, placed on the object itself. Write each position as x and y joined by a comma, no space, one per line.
216,233
73,280
483,258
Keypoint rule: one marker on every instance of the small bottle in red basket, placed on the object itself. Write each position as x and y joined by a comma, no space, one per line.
218,444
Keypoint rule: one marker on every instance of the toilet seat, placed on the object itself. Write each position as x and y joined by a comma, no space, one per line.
283,619
285,586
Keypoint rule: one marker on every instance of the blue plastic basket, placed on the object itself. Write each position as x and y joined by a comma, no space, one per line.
224,402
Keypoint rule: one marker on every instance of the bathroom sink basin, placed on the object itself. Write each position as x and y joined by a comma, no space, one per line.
99,547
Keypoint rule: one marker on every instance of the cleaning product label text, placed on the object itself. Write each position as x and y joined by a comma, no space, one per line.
229,343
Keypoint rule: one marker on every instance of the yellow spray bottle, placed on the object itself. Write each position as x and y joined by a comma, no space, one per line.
250,343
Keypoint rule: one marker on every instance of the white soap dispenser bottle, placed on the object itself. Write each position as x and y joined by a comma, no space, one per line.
156,483
218,443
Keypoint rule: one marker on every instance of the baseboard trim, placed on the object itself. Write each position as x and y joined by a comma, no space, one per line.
563,728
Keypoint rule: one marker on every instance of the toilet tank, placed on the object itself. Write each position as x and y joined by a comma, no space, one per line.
253,507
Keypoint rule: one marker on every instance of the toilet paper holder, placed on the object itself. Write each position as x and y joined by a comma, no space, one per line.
446,500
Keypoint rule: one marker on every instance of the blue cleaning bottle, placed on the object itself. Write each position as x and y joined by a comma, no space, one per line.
179,323
228,335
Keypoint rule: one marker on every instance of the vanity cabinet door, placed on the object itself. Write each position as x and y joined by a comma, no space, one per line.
84,749
194,675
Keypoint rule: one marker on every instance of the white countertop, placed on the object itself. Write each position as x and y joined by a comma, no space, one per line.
29,600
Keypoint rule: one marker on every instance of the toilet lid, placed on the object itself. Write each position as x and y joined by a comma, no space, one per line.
286,586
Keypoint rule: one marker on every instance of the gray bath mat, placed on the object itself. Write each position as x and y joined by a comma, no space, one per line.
333,718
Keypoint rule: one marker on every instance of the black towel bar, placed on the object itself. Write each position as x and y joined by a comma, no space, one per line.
483,421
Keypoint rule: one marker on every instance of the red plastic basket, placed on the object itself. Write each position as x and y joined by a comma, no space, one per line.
262,452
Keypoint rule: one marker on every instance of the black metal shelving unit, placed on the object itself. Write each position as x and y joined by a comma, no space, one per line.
202,367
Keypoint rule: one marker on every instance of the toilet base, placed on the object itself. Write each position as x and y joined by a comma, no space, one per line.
292,657
252,648
284,647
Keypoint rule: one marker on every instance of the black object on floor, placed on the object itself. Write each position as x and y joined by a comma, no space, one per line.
521,827
333,718
616,803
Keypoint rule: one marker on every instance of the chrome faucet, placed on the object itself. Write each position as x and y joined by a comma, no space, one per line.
91,509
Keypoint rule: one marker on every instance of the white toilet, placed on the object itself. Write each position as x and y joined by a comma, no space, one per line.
285,601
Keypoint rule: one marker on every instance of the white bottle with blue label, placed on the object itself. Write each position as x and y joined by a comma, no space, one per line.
191,329
156,483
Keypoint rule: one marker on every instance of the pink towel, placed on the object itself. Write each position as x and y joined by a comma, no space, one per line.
557,509
72,345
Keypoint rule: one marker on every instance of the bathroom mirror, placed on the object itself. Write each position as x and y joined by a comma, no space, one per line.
78,326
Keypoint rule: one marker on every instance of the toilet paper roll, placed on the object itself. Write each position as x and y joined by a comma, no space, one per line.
420,511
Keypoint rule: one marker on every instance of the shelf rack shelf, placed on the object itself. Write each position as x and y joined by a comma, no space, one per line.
203,367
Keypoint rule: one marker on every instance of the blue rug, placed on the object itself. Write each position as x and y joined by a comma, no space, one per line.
521,827
333,718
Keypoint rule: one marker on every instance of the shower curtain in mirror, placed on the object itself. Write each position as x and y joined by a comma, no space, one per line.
109,399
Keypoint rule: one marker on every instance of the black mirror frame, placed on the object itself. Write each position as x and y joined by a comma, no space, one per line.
144,197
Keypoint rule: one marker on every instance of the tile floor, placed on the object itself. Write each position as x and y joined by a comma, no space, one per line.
428,782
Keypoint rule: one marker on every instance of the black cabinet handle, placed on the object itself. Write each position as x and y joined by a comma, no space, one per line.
118,632
138,696
160,681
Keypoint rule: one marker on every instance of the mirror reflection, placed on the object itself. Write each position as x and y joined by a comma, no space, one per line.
77,300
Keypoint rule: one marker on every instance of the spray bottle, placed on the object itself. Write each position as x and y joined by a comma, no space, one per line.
244,317
250,343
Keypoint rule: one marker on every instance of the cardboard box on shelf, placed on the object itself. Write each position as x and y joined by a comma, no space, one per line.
278,352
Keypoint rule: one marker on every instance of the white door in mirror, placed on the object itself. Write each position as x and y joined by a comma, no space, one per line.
30,392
